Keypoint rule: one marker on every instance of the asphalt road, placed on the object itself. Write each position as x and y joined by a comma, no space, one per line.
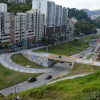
57,69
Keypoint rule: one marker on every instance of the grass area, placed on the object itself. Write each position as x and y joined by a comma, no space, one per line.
82,69
6,77
90,56
79,69
81,88
68,48
21,60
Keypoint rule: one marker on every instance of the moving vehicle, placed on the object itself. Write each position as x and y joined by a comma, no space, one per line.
12,49
61,61
32,79
48,77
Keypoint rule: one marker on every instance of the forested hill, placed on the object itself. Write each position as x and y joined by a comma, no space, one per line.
94,12
20,7
78,14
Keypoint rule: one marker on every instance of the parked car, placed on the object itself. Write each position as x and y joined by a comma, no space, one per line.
32,79
48,77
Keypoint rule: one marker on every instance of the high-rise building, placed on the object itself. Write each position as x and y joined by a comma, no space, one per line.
48,8
64,21
5,27
55,17
3,7
17,1
58,20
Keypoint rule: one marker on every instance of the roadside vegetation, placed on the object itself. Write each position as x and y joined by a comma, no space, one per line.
90,38
9,77
69,48
82,69
81,88
21,60
90,56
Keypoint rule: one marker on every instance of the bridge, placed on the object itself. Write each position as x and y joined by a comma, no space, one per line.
45,59
62,58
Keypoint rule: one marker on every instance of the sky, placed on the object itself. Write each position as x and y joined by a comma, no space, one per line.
79,4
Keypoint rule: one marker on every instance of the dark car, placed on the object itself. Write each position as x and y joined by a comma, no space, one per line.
80,57
59,56
70,64
48,77
32,79
61,61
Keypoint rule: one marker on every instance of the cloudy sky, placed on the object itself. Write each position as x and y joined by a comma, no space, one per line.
79,4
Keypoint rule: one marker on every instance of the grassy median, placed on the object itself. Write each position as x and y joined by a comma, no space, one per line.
68,48
21,60
9,77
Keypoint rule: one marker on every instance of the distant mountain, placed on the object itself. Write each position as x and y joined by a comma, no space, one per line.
94,12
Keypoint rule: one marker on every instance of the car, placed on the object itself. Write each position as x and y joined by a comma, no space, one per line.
48,77
70,64
80,57
61,61
59,56
32,79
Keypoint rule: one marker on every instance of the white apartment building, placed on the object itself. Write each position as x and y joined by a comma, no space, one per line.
3,7
45,7
5,27
17,1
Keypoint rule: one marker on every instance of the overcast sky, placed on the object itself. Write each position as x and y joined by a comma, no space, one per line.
80,4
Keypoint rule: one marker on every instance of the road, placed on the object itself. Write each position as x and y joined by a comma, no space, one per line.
57,69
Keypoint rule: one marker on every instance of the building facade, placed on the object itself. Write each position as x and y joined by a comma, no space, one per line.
21,27
55,17
3,7
17,1
48,8
5,27
58,20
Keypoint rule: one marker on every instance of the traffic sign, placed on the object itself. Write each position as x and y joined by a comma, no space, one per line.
93,42
89,42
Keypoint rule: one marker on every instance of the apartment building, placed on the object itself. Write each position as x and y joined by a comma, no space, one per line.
0,26
48,8
58,20
64,22
5,27
29,27
17,1
3,7
55,17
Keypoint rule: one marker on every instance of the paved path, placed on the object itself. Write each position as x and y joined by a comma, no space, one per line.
8,63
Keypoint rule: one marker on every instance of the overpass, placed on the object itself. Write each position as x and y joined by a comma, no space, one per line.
62,58
45,59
